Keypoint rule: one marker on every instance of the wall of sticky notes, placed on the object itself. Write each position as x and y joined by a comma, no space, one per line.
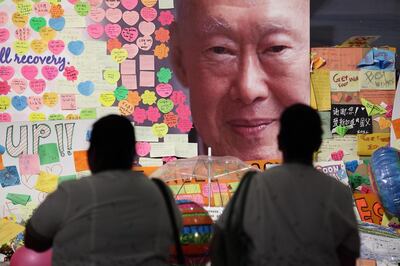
65,63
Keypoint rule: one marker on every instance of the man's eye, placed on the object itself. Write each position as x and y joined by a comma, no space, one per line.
219,50
276,48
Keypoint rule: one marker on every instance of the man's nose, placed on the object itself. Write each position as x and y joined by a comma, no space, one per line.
251,82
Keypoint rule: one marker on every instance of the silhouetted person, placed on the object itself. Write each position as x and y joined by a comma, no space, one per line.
115,217
294,214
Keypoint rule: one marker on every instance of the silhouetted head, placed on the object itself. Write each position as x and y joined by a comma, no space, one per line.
300,133
112,144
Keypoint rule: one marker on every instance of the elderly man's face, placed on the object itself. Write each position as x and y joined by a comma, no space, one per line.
244,62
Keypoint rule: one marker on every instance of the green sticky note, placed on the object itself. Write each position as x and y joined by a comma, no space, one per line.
66,178
88,113
56,117
21,199
48,153
165,105
121,93
164,75
82,8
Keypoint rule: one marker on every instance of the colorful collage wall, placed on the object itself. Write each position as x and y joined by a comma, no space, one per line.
354,88
64,64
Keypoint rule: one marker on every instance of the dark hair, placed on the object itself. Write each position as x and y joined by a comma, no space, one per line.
300,132
112,144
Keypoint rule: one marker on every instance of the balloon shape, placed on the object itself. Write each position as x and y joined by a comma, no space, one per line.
24,256
385,166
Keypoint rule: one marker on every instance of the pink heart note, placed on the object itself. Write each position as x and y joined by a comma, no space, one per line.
130,17
5,117
95,30
18,85
147,28
132,49
164,90
143,148
49,72
6,72
23,34
148,13
145,43
56,46
29,72
4,35
113,30
130,34
37,85
129,4
97,14
112,3
113,15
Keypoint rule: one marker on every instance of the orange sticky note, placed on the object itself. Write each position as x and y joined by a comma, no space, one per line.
396,127
1,163
81,161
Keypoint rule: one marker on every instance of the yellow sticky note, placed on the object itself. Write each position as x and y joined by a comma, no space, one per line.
47,33
21,47
368,143
34,117
191,189
111,75
4,103
320,84
19,20
159,129
344,80
38,46
220,199
46,182
9,230
119,55
107,99
378,79
50,99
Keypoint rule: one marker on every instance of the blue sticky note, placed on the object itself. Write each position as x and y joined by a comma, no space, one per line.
57,24
19,102
76,47
2,149
351,165
9,176
86,88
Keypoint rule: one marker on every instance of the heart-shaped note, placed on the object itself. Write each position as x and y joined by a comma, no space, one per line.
18,85
4,35
130,34
35,102
148,13
119,55
142,148
29,72
19,20
147,28
111,75
47,34
56,46
129,4
5,117
37,23
6,72
145,43
22,34
82,8
50,99
3,18
164,89
86,88
4,103
95,30
39,46
4,87
107,99
57,24
113,15
337,156
113,3
76,47
37,85
130,17
97,14
132,49
159,129
19,102
165,105
149,3
112,30
21,47
42,8
49,72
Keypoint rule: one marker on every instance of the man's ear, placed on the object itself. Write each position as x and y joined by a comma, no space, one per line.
177,55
